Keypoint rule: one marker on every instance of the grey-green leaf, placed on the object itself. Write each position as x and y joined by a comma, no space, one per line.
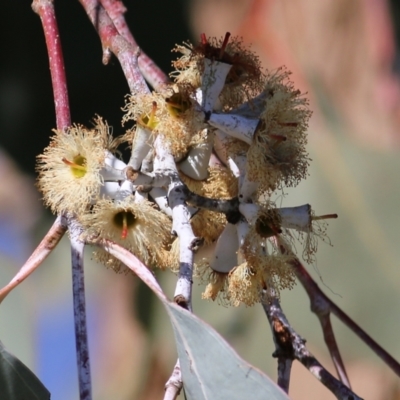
211,369
17,381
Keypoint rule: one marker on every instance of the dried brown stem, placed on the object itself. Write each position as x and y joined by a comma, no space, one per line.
45,10
290,346
151,72
48,243
111,40
322,306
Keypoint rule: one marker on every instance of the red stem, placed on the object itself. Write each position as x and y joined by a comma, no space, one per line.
45,10
112,40
321,305
150,70
333,348
224,44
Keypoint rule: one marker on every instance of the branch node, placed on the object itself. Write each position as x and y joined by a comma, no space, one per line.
181,301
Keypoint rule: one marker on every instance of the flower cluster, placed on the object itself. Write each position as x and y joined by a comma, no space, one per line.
234,131
78,174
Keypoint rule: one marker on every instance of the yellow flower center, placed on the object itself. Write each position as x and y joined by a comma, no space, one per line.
77,165
177,104
124,220
149,121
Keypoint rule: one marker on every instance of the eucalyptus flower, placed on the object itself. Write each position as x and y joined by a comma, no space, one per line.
277,156
70,167
137,226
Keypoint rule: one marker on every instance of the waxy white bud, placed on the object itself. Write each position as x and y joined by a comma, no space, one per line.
213,81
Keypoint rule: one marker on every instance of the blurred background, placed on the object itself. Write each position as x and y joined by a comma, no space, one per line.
346,55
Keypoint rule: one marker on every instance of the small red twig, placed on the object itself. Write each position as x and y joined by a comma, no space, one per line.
45,247
322,306
150,70
112,41
45,10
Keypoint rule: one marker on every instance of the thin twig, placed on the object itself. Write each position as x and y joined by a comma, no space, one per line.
289,346
333,348
78,284
45,10
112,41
174,384
321,305
150,70
48,243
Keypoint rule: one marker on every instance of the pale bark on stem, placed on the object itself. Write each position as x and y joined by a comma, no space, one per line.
78,286
157,178
45,10
167,177
180,225
111,174
159,195
290,346
151,72
321,305
174,384
236,126
48,243
113,41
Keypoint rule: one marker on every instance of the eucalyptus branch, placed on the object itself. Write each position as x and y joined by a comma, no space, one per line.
150,70
174,384
322,306
330,341
113,41
228,207
45,10
155,179
46,246
290,346
181,226
78,286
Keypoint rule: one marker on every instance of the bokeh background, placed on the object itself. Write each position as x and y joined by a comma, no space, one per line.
345,54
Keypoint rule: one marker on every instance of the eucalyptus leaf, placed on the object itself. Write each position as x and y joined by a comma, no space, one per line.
17,381
211,369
